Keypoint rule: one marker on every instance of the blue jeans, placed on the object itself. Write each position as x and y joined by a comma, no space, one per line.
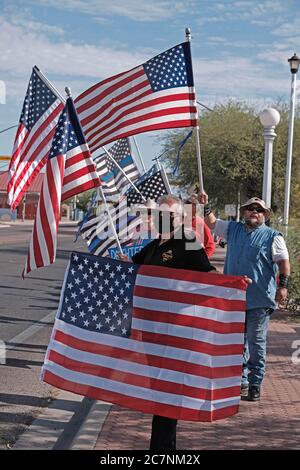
255,346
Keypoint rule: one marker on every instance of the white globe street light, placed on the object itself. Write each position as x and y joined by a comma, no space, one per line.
269,118
294,66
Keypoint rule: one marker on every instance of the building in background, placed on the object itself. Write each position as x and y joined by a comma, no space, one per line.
27,208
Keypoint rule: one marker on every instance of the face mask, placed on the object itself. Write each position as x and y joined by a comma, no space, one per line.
164,223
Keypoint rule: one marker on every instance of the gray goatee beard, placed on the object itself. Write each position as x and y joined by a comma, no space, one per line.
251,223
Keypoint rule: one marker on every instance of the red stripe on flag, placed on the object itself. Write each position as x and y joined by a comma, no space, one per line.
145,105
79,157
19,131
189,321
109,90
234,282
37,152
149,115
53,205
45,224
93,183
55,193
184,343
152,127
23,179
146,406
98,85
27,183
143,381
112,104
104,112
187,343
17,150
41,129
189,298
147,359
85,170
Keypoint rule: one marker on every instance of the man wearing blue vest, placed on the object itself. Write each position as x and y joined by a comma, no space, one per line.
259,252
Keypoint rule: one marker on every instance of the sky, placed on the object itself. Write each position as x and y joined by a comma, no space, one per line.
239,48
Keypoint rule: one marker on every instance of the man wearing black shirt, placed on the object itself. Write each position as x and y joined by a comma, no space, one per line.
172,253
175,248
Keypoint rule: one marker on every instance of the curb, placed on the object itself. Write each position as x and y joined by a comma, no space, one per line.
88,434
19,223
46,429
70,422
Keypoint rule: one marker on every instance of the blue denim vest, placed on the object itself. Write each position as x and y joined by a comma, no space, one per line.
250,253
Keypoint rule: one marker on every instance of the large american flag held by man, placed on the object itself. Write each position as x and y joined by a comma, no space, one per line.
161,340
39,117
113,180
158,94
70,170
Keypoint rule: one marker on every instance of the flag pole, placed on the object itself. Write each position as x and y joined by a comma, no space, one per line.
110,220
123,172
133,157
69,95
165,178
49,84
188,37
139,153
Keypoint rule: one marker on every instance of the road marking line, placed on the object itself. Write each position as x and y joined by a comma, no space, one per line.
30,331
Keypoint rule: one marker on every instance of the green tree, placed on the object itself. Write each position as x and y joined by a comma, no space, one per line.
82,200
232,152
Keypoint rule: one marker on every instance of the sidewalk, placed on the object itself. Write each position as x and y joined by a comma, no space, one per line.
74,422
21,223
77,423
272,423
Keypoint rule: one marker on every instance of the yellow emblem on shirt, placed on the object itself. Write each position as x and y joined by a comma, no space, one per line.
167,255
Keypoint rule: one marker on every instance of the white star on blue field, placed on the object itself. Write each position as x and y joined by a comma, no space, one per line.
239,48
98,295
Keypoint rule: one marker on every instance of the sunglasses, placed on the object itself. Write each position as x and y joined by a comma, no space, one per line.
258,209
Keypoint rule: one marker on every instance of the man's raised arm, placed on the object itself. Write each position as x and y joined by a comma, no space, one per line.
209,217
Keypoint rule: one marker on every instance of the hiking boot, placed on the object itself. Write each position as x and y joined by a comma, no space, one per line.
254,394
244,390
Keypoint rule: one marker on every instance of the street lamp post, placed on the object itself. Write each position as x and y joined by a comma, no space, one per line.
294,66
269,118
24,208
74,207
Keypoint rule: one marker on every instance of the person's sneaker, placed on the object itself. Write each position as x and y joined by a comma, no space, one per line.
244,390
254,394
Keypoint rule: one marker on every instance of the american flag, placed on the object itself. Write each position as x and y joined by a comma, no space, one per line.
153,184
70,170
158,94
161,340
99,235
113,180
39,117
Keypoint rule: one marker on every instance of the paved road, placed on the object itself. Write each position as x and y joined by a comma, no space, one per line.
27,310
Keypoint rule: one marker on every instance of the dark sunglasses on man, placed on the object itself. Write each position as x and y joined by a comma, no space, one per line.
258,209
